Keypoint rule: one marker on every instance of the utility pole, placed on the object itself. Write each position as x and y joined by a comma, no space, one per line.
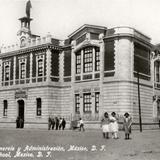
139,103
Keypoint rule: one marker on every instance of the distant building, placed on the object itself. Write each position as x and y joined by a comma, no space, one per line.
93,71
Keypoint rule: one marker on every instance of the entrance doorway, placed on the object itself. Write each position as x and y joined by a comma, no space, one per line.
20,121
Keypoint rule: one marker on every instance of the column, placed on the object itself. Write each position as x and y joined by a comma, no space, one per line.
61,66
31,66
48,65
0,72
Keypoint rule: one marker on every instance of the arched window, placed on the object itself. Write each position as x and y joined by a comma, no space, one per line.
39,106
5,107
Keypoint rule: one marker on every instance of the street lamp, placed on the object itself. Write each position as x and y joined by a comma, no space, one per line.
139,103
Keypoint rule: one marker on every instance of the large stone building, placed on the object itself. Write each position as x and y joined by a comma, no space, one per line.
93,71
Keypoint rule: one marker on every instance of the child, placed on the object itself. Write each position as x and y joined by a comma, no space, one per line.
81,124
127,125
114,125
105,125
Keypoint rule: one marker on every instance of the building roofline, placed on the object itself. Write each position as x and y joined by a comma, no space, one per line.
87,25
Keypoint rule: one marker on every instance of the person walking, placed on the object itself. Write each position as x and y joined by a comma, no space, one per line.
114,125
60,123
57,122
63,124
49,123
52,123
81,125
105,125
127,125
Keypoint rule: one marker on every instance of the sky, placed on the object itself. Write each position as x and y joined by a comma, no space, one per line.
62,17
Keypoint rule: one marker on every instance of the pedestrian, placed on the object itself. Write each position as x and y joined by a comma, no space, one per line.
60,123
21,123
127,125
57,122
105,125
52,123
49,123
17,122
81,124
63,123
114,125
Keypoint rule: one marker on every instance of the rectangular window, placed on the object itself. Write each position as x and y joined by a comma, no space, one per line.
141,59
77,103
97,59
5,107
88,59
87,103
78,63
7,68
40,67
157,66
97,102
23,71
39,107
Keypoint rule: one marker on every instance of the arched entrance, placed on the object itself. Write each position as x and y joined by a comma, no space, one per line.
20,114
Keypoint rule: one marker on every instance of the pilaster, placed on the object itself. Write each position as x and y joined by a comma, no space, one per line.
81,104
61,66
82,54
48,65
94,52
14,70
73,77
0,72
101,42
31,66
93,104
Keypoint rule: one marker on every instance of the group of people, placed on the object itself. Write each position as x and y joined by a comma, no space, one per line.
56,123
109,125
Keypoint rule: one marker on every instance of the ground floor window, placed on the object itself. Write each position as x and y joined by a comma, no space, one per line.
77,103
97,102
5,107
39,107
87,104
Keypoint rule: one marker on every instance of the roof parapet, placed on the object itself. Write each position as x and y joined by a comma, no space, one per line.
29,43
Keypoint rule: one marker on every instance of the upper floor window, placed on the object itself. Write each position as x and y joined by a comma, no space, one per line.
7,72
40,67
97,59
22,68
5,107
22,71
78,63
157,71
88,59
141,59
